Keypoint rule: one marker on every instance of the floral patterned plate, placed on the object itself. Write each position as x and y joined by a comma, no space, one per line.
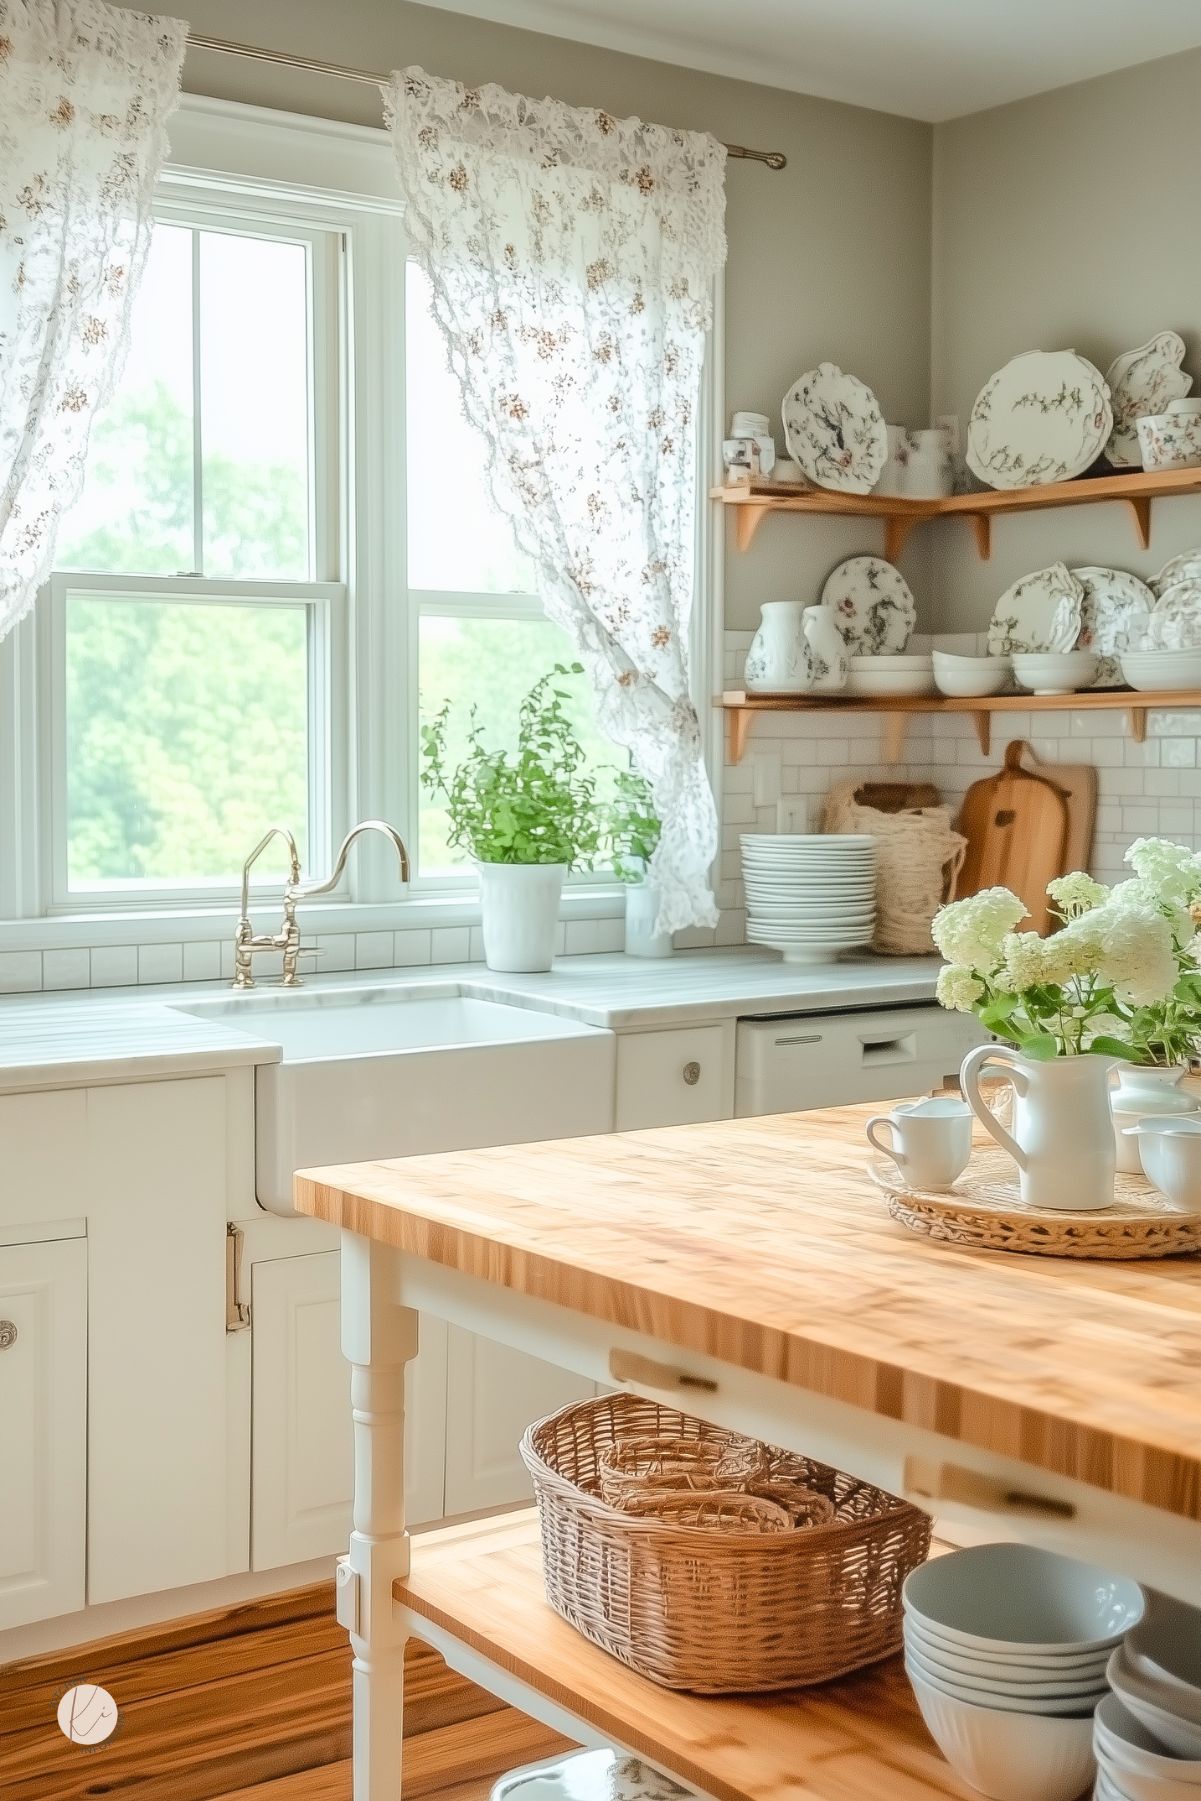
1177,569
1039,613
1142,382
872,604
1043,418
835,430
1175,622
1113,618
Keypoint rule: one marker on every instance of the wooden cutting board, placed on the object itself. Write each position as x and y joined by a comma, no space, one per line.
1078,784
1016,826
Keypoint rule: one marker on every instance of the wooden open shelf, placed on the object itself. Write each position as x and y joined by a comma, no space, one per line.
1135,488
858,1739
740,709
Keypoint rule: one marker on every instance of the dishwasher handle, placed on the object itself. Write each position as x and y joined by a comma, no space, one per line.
877,1051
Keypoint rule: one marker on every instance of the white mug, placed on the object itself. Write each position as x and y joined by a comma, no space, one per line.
931,1140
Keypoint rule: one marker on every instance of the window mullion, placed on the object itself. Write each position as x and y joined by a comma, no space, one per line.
197,423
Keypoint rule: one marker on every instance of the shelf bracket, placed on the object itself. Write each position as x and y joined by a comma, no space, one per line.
738,725
749,518
982,531
1140,506
892,740
983,724
897,527
1138,724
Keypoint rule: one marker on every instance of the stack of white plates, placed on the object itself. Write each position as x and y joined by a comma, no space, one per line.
1007,1648
809,895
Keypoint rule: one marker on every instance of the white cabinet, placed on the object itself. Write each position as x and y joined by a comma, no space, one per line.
492,1395
301,1443
680,1077
43,1426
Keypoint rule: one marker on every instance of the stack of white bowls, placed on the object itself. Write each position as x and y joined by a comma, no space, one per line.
1148,1737
1006,1647
809,895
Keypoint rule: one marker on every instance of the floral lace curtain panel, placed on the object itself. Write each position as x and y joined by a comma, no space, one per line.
85,93
571,257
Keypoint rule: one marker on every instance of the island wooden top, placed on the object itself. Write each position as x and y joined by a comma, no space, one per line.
763,1242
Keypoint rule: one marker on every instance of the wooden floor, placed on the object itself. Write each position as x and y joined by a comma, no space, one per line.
250,1704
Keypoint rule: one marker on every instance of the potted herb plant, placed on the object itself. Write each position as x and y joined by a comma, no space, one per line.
525,816
632,831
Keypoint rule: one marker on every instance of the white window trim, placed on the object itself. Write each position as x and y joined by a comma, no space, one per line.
339,176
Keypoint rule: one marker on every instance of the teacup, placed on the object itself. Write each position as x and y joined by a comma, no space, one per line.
931,1140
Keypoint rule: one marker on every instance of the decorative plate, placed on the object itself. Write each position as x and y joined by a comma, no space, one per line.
1041,612
835,430
1175,622
1043,418
872,604
1142,382
1113,618
1178,569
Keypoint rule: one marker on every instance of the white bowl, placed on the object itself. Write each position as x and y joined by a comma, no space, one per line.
1021,1598
1170,440
1072,1666
1165,1647
1148,1702
1132,1754
966,677
1056,672
1071,1707
1004,1679
1169,1147
1160,671
885,660
885,682
1009,1756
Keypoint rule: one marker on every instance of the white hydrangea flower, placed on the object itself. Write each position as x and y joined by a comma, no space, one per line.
1141,896
958,989
1136,954
969,932
1171,871
1076,893
1076,949
1024,961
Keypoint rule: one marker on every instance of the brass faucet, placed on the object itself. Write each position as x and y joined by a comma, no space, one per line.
287,939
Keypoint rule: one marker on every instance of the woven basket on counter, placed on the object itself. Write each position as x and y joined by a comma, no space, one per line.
918,860
717,1611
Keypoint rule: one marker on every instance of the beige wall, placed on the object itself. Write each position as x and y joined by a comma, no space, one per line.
829,259
1070,219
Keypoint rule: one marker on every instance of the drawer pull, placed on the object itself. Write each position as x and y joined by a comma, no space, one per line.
628,1366
8,1333
952,1482
692,1074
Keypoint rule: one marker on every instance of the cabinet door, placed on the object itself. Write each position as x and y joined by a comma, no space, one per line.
43,1429
302,1459
492,1395
678,1078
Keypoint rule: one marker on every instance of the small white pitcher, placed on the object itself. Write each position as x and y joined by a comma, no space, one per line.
931,1141
1062,1139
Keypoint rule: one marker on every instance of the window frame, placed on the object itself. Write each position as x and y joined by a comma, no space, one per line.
285,171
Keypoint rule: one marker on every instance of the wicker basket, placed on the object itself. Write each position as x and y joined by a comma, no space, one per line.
713,1612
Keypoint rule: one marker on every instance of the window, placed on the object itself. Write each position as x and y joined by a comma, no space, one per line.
190,622
284,557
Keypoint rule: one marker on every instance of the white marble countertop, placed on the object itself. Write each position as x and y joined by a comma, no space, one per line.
130,1034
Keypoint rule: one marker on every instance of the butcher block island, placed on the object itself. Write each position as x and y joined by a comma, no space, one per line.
746,1272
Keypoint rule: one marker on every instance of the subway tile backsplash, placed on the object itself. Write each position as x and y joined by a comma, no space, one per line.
1150,789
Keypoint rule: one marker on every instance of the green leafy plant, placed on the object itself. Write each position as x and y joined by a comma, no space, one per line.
536,804
632,828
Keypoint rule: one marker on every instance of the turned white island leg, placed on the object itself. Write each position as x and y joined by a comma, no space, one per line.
378,1339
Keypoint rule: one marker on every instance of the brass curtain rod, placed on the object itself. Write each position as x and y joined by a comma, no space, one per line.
313,65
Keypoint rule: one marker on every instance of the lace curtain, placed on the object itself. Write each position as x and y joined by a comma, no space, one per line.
571,257
85,92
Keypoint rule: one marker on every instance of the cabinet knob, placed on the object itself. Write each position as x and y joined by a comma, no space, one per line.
8,1333
692,1074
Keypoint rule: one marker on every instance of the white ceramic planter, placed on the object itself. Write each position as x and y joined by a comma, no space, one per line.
1062,1139
521,914
642,940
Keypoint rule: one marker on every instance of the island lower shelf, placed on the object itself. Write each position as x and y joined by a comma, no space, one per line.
479,1586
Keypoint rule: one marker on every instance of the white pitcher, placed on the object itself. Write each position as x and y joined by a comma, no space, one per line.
778,661
829,658
1062,1140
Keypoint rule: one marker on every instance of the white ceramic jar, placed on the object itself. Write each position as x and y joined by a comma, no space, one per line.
928,473
778,661
1140,1093
829,659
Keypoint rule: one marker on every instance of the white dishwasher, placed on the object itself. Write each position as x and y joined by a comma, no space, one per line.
787,1063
